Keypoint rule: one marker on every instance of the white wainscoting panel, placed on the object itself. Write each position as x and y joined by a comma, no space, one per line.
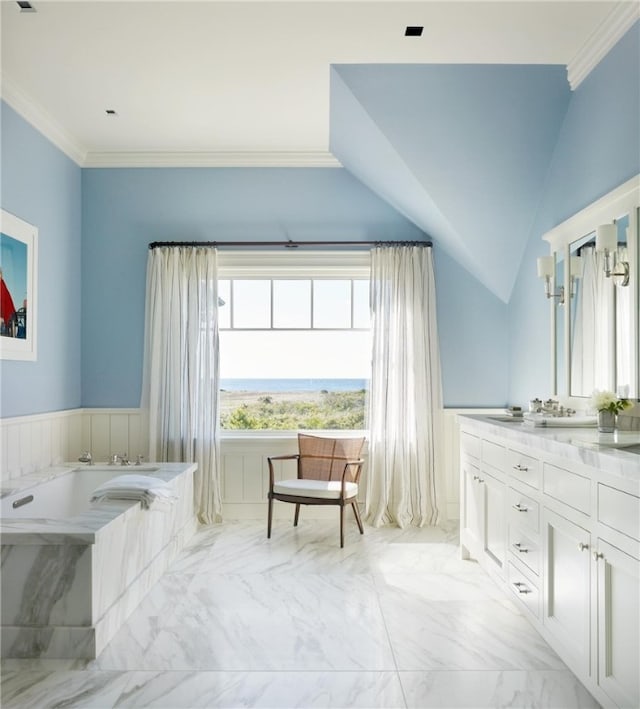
29,443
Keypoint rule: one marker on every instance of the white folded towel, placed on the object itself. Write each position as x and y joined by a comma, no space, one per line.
143,488
560,421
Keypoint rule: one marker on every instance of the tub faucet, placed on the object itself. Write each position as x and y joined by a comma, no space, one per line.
124,459
86,458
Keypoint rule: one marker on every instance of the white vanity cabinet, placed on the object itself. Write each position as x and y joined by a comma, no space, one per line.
483,519
558,526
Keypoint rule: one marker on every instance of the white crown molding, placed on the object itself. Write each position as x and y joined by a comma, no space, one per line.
220,158
621,19
42,121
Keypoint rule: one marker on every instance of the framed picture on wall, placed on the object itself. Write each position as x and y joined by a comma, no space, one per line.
18,286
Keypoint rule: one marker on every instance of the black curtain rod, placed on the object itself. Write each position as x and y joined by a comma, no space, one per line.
287,244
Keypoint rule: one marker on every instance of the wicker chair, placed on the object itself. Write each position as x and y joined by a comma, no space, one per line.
328,474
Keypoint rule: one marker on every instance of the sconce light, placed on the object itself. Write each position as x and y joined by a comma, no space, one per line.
545,270
576,266
607,242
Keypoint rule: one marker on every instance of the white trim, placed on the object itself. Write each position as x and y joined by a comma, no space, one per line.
288,262
614,204
42,121
621,19
217,158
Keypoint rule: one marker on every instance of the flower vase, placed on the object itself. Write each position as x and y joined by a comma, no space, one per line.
606,421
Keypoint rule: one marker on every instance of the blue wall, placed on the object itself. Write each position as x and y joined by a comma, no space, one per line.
125,209
43,187
598,149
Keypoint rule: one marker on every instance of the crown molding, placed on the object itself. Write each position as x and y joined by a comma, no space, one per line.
42,121
218,158
621,19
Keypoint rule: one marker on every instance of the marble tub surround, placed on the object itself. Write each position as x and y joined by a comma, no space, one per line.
399,620
69,584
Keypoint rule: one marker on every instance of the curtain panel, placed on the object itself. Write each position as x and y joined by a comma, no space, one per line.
181,367
404,480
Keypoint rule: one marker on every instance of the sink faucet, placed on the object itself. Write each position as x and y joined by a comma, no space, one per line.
86,458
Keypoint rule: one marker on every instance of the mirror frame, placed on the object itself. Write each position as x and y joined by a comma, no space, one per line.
624,199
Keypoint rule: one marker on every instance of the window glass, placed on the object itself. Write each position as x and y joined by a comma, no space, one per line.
361,312
292,304
251,303
332,304
224,308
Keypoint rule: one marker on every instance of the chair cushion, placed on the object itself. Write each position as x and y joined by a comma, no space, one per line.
326,489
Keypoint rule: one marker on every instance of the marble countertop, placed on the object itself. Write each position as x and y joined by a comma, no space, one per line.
81,528
616,453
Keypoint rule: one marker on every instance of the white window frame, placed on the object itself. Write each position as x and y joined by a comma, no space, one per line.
292,264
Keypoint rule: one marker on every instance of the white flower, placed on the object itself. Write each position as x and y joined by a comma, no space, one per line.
608,401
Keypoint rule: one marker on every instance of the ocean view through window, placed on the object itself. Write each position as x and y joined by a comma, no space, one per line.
294,353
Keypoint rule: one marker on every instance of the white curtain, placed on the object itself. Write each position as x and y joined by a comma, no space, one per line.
180,383
593,346
404,480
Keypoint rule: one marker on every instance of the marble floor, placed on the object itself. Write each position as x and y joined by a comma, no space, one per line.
395,619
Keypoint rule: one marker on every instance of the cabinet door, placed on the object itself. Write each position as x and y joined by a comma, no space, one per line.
472,507
618,624
566,607
494,527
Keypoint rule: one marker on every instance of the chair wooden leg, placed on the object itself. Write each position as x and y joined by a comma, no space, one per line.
296,516
356,512
341,526
269,517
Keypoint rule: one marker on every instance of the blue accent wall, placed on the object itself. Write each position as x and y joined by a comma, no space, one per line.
598,149
43,187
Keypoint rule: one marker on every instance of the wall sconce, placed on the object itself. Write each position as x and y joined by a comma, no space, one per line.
607,242
546,267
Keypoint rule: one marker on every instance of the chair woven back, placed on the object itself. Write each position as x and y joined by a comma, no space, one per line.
324,458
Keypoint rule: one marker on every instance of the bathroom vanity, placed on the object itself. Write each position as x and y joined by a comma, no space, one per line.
553,515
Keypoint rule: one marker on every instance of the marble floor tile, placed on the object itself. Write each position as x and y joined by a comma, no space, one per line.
395,619
260,622
276,690
551,689
46,690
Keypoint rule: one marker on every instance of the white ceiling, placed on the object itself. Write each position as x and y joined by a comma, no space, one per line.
245,77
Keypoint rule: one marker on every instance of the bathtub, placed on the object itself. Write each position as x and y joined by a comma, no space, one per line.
71,574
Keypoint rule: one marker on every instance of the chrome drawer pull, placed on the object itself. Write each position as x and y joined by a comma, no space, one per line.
521,468
597,555
520,587
518,547
582,546
22,501
476,477
520,508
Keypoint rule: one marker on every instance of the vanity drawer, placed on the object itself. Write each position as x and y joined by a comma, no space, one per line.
470,444
567,487
524,589
494,455
524,468
523,511
619,510
524,547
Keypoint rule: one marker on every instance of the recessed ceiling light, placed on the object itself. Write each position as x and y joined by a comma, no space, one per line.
413,31
26,6
111,112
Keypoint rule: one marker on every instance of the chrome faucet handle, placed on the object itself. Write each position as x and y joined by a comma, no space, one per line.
86,458
113,459
124,459
139,459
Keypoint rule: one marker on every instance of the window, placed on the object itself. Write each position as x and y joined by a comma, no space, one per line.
294,345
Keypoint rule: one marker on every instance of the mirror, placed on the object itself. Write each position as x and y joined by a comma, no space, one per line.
596,327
